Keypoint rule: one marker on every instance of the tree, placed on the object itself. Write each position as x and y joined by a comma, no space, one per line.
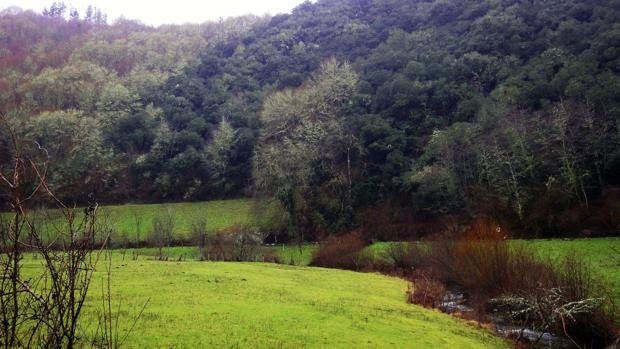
219,154
56,10
301,143
83,164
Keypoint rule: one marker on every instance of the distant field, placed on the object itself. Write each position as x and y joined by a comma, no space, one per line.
133,222
254,305
289,254
602,253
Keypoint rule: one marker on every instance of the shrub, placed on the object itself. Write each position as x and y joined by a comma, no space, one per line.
199,236
588,314
482,259
237,243
162,233
342,252
246,246
440,258
218,247
563,296
403,257
426,291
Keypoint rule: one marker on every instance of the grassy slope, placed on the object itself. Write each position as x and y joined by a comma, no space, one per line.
203,304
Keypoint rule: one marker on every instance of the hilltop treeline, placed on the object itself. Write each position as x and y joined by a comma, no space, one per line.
348,111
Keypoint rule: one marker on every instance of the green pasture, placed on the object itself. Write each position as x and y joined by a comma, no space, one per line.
132,223
195,304
603,254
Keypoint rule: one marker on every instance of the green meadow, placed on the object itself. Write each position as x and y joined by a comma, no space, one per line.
131,223
195,304
603,254
289,305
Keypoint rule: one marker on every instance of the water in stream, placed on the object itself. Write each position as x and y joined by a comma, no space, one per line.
455,302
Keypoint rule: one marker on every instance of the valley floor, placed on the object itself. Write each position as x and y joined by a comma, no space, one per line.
256,305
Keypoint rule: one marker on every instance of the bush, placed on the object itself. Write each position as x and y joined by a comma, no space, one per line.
342,252
199,236
426,291
219,247
246,246
162,233
482,259
403,257
563,296
237,243
440,258
587,314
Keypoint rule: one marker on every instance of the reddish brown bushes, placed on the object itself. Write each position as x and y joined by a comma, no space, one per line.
342,252
426,291
482,258
237,243
561,296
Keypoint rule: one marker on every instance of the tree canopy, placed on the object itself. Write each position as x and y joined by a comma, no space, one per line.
443,107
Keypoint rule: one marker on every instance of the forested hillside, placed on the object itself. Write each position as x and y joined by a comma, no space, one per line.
348,111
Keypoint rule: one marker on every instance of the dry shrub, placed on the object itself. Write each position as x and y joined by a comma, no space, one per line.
482,258
525,271
237,243
597,325
426,291
218,247
441,257
562,296
342,252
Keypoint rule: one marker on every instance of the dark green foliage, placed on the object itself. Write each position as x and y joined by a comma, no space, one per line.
505,107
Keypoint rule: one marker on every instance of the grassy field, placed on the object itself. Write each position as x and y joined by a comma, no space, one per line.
254,305
602,253
133,222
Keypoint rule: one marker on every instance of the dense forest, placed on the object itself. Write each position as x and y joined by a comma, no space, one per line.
391,115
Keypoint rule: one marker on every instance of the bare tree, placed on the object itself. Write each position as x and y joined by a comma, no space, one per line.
137,219
199,235
41,310
162,234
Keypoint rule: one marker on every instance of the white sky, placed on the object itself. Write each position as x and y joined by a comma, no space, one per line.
167,12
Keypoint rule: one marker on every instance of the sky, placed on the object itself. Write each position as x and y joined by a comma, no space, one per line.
156,12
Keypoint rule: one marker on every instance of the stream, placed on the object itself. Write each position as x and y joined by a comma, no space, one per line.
455,302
